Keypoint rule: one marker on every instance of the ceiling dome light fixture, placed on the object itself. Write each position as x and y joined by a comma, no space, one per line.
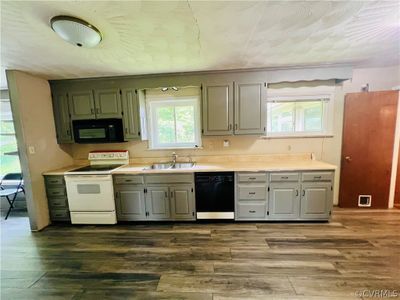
76,31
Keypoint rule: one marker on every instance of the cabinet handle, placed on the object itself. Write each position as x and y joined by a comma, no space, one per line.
252,178
128,180
55,193
53,181
297,193
172,194
252,193
252,211
304,193
284,177
92,111
166,195
317,177
68,132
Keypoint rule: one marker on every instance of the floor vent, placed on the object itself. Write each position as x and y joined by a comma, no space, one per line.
364,200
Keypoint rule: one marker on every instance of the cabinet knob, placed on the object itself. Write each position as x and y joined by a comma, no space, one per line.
348,158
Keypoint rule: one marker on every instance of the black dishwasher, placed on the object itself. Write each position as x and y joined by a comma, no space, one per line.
215,196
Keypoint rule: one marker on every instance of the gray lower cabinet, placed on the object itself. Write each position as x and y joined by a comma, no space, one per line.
316,200
218,109
154,197
157,203
284,201
130,117
251,196
182,202
250,107
62,118
57,198
130,203
81,104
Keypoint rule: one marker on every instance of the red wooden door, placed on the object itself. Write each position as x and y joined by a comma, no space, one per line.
367,149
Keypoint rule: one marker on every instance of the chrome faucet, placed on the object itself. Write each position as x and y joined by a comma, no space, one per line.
174,157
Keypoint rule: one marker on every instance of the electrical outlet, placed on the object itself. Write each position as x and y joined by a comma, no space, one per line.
31,150
226,143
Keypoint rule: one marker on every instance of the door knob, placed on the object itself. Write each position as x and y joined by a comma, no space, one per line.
348,158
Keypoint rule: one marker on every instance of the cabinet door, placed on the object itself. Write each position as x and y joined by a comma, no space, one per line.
130,204
316,200
62,119
218,109
250,108
130,117
182,202
157,203
81,104
284,201
108,103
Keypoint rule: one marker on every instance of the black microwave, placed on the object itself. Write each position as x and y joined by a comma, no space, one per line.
98,131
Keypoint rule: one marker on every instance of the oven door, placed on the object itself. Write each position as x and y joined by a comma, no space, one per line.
88,193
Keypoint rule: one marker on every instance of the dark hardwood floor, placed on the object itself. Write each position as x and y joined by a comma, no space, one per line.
358,251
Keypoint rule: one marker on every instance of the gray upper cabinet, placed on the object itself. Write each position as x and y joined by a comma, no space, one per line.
81,104
130,117
218,109
249,108
130,203
107,103
284,200
316,200
62,118
182,202
157,203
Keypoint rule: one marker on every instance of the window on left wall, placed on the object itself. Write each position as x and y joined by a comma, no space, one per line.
173,118
9,159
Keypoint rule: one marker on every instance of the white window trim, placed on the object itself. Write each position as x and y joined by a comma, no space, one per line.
328,111
176,101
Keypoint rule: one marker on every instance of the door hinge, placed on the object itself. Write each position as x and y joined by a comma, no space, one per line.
330,212
192,190
138,133
120,92
264,129
331,188
268,189
116,195
193,213
135,91
122,113
265,84
267,213
201,87
145,190
202,131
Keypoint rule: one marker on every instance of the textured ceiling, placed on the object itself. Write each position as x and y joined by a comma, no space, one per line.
156,37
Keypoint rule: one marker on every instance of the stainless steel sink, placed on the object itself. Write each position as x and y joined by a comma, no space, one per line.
171,165
186,165
160,166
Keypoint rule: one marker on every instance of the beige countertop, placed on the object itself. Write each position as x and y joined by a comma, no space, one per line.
243,166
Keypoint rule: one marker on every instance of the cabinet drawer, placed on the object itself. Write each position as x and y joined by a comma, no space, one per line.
284,177
60,202
56,191
250,211
129,180
178,178
54,180
317,176
252,192
59,215
252,177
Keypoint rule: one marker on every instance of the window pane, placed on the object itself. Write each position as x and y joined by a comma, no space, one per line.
281,117
185,120
313,113
165,124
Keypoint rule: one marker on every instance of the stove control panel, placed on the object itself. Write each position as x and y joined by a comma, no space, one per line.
109,156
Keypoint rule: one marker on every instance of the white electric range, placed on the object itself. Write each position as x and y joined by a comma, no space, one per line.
90,189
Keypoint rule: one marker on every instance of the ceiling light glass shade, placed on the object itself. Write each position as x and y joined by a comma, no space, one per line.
76,31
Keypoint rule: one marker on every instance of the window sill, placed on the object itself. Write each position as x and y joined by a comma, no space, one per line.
297,136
